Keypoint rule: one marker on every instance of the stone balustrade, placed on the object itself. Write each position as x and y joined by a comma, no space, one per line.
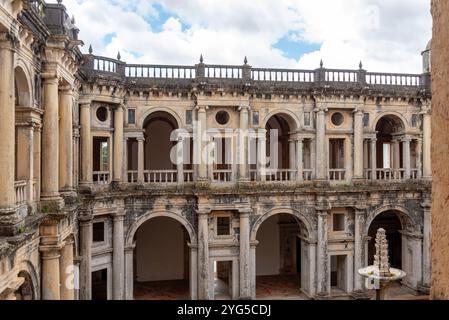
95,66
21,193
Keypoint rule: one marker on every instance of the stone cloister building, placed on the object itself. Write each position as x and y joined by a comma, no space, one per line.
281,174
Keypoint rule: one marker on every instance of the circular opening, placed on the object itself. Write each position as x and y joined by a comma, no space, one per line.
102,114
222,117
337,119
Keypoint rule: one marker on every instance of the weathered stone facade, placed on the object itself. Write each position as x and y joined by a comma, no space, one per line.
353,146
440,221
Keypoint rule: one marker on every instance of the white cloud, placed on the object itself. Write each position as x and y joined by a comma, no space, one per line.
385,35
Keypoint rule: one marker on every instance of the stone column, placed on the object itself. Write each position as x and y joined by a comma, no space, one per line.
419,153
76,156
396,154
7,124
180,160
141,160
85,224
323,288
25,158
365,154
358,249
321,152
427,246
50,273
358,144
201,132
118,266
118,144
37,160
300,159
243,143
66,140
129,272
245,287
67,271
292,160
86,145
193,272
203,256
406,157
50,141
125,160
427,143
262,154
374,159
313,157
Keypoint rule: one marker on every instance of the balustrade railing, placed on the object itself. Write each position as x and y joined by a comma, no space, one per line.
337,174
160,176
21,193
188,176
222,175
320,77
281,175
390,79
282,75
307,174
160,72
132,176
101,177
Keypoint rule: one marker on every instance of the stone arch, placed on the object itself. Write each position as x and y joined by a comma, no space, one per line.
153,110
156,214
282,210
402,213
22,86
394,116
31,284
291,118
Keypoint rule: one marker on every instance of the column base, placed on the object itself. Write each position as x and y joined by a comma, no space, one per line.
12,220
51,203
360,295
322,296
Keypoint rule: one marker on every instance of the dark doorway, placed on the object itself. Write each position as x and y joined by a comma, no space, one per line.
100,285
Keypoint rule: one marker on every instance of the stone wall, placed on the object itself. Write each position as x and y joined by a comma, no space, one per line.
440,149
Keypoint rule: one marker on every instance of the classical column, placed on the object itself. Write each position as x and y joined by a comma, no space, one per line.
129,272
427,246
322,255
358,249
50,140
419,153
141,160
200,143
50,273
396,154
358,144
118,264
365,155
313,157
37,159
262,154
245,288
86,145
76,155
243,143
292,156
125,160
406,157
300,159
193,272
118,144
85,224
180,160
374,158
67,271
203,256
321,152
7,124
66,140
427,143
25,157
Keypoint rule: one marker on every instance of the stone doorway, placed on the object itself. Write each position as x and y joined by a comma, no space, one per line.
161,261
280,258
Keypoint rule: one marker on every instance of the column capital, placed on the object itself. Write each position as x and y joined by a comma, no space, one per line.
202,108
50,252
85,104
8,41
243,108
85,220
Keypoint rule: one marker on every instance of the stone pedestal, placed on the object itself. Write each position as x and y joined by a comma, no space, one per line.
86,255
67,269
50,273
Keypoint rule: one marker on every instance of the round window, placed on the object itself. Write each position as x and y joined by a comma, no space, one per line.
222,117
102,114
337,119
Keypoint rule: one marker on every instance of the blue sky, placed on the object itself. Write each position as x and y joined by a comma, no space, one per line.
271,33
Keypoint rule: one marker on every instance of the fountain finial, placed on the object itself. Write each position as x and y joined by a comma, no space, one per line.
381,257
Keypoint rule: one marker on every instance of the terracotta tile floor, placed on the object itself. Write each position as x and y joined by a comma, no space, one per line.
162,290
279,288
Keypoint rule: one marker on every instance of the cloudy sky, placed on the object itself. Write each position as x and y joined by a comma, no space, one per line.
386,35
